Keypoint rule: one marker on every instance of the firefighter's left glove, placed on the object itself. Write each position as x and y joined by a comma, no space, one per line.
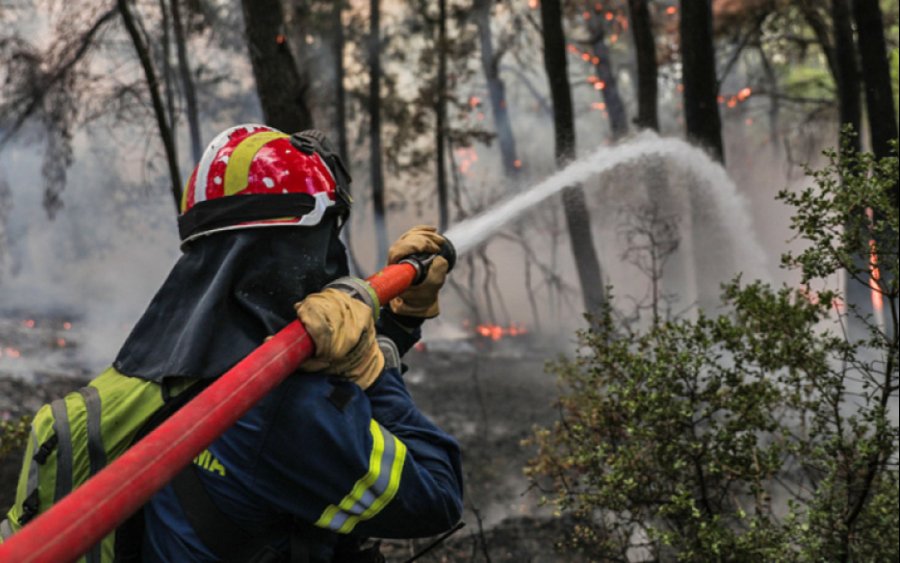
343,331
420,300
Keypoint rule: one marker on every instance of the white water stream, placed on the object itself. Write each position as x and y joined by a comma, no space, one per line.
712,183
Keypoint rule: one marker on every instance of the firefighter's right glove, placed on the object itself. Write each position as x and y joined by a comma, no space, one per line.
343,331
420,300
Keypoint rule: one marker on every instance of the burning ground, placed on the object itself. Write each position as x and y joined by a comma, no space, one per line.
484,384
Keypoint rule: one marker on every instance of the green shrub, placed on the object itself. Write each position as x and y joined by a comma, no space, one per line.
765,433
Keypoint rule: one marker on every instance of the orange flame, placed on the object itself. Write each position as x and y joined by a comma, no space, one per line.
877,298
29,323
498,332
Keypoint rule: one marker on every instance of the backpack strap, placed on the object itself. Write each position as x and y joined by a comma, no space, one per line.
218,532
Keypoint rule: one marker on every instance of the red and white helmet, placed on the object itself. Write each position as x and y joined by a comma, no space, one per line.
254,176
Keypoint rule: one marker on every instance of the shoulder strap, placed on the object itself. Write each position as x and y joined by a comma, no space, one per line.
129,535
218,532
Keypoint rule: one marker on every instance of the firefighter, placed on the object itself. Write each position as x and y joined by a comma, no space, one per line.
335,454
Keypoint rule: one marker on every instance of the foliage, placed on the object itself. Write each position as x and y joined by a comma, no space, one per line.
13,435
760,434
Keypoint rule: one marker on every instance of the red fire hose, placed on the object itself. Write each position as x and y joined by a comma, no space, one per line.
79,521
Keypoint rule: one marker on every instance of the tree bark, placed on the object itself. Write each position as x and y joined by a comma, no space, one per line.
846,78
490,65
187,82
281,88
615,108
159,110
876,76
340,94
375,130
441,112
577,218
647,70
698,58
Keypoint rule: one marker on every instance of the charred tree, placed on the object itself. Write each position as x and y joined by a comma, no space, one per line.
282,89
698,59
647,69
876,77
340,93
441,113
577,216
490,64
848,80
615,107
187,81
159,110
714,262
846,75
375,130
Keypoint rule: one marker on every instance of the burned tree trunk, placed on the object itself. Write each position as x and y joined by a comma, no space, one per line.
647,71
282,89
577,217
375,130
187,81
876,77
441,112
714,260
490,64
847,80
846,76
698,59
609,86
340,94
159,110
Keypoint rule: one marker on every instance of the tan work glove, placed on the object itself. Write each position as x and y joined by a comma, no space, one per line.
420,300
343,331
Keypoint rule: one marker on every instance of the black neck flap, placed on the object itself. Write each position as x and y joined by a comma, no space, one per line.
226,294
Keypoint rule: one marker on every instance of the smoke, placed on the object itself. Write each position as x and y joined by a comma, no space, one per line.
100,260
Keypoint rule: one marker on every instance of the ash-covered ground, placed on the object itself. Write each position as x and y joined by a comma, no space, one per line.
489,394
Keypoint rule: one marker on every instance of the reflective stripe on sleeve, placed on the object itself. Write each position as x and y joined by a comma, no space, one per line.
63,448
375,489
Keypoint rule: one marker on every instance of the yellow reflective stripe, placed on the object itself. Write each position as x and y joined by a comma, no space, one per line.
238,169
362,485
389,493
376,488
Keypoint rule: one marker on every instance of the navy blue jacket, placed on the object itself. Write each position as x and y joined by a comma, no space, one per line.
343,460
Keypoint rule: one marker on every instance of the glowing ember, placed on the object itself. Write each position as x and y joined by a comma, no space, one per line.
517,163
61,342
599,106
671,10
474,101
498,332
279,39
10,352
744,94
467,158
29,323
599,85
610,16
67,325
